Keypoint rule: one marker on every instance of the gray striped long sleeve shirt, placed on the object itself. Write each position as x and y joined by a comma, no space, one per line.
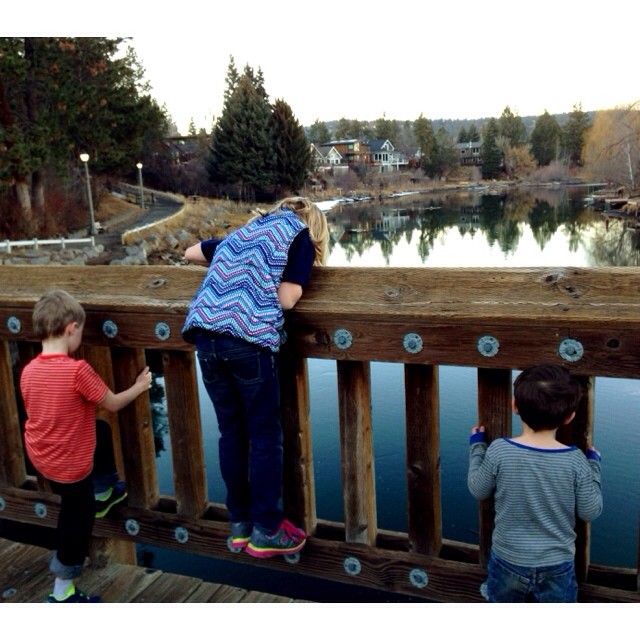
538,493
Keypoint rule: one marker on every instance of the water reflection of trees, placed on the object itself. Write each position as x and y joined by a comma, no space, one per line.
501,218
615,245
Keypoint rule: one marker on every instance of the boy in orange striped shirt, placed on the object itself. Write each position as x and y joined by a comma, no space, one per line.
63,440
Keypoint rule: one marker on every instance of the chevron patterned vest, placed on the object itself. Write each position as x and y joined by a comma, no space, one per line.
239,294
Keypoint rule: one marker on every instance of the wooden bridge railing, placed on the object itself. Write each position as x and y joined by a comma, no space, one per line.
494,320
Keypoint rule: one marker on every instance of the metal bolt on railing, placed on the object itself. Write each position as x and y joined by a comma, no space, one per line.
162,331
110,328
181,535
132,527
40,509
571,350
488,346
3,504
14,325
342,339
412,343
352,566
418,578
9,593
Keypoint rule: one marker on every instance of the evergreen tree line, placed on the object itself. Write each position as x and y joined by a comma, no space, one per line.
506,146
60,97
258,151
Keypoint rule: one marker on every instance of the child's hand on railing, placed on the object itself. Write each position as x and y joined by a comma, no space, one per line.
477,434
143,381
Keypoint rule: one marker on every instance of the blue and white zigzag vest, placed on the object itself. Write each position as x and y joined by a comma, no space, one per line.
239,294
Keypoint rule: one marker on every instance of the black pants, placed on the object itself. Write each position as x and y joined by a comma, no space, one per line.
77,507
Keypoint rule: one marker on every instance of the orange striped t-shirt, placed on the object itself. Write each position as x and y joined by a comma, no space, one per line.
60,395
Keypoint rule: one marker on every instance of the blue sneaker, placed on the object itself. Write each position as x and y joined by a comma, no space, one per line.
240,535
73,595
114,495
287,539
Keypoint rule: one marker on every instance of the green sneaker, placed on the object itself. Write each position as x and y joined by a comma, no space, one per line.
116,494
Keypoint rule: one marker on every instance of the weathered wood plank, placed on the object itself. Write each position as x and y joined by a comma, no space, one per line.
100,359
168,588
494,412
259,596
448,580
185,430
298,477
580,433
117,582
356,446
12,466
136,431
423,458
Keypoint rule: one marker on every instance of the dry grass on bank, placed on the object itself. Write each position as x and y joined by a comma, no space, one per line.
111,207
205,218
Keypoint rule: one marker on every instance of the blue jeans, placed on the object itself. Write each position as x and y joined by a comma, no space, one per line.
508,582
242,382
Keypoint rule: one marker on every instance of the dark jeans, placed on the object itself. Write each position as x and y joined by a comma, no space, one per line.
242,382
78,508
508,582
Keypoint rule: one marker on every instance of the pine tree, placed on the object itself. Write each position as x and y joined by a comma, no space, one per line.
545,139
241,151
426,140
292,155
463,136
511,127
473,134
318,132
231,80
491,156
574,135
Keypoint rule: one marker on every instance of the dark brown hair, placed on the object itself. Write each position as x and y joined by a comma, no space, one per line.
545,396
53,312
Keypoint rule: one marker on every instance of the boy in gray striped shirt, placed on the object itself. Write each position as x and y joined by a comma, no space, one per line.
539,486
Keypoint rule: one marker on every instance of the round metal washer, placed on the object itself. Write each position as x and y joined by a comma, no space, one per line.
418,578
3,504
352,566
342,338
571,350
488,346
9,593
14,325
162,331
40,509
132,527
110,328
412,343
181,535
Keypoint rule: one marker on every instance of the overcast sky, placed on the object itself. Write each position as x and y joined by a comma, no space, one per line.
344,58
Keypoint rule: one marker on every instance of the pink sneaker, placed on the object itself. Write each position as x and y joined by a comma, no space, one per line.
287,539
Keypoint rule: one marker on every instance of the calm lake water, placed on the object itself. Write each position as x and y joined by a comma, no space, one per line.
471,229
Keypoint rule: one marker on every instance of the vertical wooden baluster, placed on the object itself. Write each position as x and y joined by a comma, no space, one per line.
494,412
423,458
358,480
100,359
136,430
298,477
185,430
27,351
12,465
580,433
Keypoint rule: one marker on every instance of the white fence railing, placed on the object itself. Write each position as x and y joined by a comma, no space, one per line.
35,243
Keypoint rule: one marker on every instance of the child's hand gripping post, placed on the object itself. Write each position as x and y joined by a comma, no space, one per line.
116,401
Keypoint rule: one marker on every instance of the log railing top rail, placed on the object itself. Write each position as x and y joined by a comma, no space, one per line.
492,319
552,294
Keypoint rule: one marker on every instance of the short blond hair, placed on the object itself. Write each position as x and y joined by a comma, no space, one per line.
315,220
53,312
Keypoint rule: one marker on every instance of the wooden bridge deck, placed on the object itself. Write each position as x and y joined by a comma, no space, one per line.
24,577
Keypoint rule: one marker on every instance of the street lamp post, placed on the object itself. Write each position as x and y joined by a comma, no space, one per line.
92,224
139,165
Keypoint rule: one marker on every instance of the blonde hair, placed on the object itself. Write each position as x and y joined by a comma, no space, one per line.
53,312
315,220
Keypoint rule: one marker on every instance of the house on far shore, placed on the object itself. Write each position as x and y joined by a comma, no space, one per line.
325,156
344,154
183,148
469,153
